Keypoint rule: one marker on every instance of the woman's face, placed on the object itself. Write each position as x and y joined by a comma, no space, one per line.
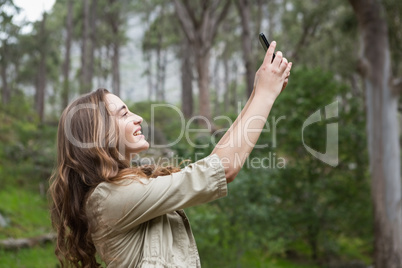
129,126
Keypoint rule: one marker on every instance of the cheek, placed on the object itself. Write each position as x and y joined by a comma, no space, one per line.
129,129
125,129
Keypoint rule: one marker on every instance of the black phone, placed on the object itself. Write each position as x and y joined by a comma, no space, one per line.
265,44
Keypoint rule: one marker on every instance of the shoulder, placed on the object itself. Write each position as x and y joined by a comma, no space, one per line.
109,200
106,191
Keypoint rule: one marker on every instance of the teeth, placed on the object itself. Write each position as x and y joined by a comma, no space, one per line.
137,133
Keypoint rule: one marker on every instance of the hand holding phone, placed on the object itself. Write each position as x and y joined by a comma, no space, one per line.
265,44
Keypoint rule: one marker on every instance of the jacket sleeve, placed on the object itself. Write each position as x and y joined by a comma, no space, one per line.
130,204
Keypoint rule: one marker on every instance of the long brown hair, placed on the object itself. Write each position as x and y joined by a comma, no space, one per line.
87,154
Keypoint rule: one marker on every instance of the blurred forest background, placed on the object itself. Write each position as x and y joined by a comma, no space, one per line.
202,56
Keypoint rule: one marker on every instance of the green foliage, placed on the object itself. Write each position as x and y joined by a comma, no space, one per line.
309,34
26,146
393,10
321,203
305,209
27,154
162,33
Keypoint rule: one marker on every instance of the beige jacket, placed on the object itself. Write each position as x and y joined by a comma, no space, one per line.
142,224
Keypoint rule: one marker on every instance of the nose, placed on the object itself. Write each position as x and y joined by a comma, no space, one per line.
137,119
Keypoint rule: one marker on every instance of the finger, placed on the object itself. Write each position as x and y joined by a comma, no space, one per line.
270,52
287,70
283,65
278,59
285,83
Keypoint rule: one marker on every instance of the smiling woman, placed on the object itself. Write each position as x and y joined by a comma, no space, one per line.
129,126
133,216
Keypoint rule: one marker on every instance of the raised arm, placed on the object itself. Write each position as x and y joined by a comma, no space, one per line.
225,138
238,142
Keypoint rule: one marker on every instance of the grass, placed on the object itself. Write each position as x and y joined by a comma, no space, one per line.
27,213
257,259
43,257
37,257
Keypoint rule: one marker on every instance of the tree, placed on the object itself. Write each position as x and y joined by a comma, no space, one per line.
92,37
200,24
66,65
187,102
85,80
382,131
114,20
88,43
161,36
7,48
40,85
244,9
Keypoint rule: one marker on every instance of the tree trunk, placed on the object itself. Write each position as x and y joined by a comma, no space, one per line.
40,90
16,244
383,133
243,7
161,59
162,75
92,42
233,87
66,66
186,80
200,32
158,63
271,21
5,94
259,16
6,91
84,81
148,72
41,76
114,20
116,68
202,63
226,95
216,87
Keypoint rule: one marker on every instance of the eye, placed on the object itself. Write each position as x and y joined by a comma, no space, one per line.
125,114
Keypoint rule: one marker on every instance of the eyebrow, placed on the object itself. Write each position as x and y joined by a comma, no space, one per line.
122,108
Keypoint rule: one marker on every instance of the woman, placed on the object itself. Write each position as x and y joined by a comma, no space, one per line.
133,217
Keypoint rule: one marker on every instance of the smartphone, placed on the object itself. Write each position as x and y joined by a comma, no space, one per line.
265,44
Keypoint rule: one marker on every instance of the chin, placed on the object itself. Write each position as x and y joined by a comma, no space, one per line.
139,149
145,148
